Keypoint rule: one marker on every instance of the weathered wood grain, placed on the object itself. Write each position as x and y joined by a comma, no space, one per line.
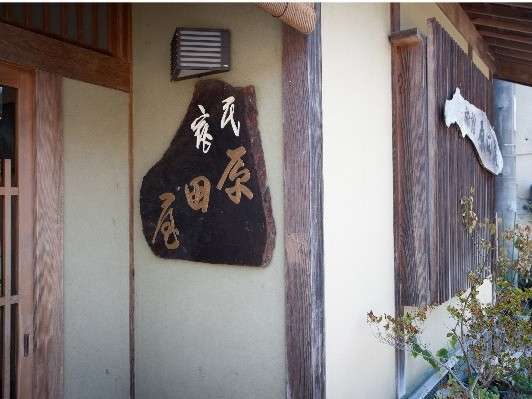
23,47
17,225
434,167
303,222
48,276
456,164
463,24
410,156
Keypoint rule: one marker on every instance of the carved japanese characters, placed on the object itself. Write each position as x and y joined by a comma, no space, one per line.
207,199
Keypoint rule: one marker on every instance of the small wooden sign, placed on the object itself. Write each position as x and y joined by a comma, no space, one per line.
207,199
474,123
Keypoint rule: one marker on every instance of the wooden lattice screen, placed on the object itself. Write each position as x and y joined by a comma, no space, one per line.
434,167
97,26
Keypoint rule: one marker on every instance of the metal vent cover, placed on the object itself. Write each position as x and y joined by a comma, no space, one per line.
198,52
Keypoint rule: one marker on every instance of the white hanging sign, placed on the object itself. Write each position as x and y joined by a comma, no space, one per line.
474,123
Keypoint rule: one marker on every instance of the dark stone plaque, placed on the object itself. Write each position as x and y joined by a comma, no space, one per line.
207,199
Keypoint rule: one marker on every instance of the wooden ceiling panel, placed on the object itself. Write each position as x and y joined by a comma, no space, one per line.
498,10
506,29
495,43
519,55
501,23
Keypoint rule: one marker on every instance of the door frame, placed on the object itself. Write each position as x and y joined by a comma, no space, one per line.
48,342
40,98
22,80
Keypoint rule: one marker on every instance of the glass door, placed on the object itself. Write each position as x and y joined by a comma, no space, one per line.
16,233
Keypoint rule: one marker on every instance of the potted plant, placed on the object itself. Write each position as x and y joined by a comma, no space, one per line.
492,342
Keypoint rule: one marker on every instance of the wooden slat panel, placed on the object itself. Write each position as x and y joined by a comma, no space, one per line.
434,167
457,164
48,283
410,155
23,47
303,221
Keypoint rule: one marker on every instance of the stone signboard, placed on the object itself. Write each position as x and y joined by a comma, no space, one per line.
207,198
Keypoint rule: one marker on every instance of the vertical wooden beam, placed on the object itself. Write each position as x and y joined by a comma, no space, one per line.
6,259
25,235
79,23
395,17
26,10
64,19
303,212
410,175
131,171
48,283
45,17
94,24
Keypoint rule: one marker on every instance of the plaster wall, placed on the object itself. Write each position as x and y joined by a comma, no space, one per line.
358,197
523,125
96,263
358,232
207,331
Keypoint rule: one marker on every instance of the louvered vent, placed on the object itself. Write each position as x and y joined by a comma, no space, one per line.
199,52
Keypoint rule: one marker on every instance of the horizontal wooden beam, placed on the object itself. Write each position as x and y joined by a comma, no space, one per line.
514,72
8,300
8,191
498,10
527,6
513,26
521,55
502,43
406,38
26,48
459,18
506,36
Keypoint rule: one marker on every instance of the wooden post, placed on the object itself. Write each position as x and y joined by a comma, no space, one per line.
303,216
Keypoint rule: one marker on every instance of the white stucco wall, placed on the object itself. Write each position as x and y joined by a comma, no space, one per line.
358,195
207,331
523,125
96,263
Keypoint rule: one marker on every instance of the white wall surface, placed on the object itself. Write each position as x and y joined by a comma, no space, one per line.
96,264
207,331
523,113
358,194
